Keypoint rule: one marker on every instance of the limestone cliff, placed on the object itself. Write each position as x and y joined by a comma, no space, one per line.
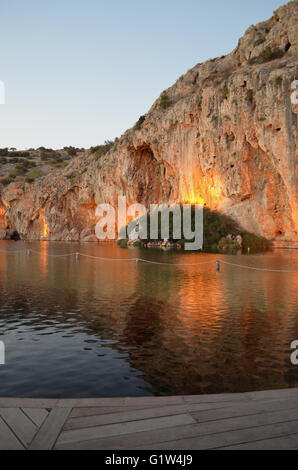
224,134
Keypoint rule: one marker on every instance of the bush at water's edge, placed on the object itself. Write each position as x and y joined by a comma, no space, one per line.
221,235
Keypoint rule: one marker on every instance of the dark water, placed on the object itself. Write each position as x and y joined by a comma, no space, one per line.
92,329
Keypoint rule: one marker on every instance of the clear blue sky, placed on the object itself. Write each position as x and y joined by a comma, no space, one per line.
78,72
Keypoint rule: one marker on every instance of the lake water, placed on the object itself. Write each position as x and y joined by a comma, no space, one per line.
102,329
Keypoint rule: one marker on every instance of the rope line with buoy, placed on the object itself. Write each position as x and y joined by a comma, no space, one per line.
146,261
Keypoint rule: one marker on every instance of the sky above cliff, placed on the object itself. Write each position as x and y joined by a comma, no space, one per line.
80,72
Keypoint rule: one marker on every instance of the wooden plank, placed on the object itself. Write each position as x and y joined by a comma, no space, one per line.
101,410
224,397
283,394
94,411
50,429
19,423
155,401
124,428
8,440
87,402
27,403
245,409
277,443
37,415
150,438
131,415
225,439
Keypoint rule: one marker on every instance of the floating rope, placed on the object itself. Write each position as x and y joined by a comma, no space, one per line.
173,264
258,269
141,260
107,259
49,254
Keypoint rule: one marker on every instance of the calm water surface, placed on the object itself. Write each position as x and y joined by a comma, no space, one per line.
92,329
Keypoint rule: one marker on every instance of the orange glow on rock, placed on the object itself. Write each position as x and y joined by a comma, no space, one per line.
4,203
45,231
200,189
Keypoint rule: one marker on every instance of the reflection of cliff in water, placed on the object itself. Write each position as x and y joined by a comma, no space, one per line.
186,330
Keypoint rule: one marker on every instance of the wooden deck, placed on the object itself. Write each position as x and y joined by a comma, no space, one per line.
259,420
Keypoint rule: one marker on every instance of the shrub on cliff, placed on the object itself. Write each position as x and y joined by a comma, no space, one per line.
140,122
71,177
33,175
4,152
101,150
278,81
267,55
225,91
165,101
72,151
249,96
6,181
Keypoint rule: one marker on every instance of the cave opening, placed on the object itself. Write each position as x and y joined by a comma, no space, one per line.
287,47
15,236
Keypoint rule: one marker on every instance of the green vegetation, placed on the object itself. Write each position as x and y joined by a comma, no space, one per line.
220,233
34,175
13,154
72,151
200,101
165,101
278,81
22,162
123,243
101,150
216,227
61,165
140,122
71,177
6,181
254,243
267,55
228,246
249,96
225,91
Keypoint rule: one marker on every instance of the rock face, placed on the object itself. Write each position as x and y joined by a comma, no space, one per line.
224,134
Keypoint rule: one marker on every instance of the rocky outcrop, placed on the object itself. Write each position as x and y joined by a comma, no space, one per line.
224,135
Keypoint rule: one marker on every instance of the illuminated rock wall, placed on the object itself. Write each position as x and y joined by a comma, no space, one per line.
227,139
